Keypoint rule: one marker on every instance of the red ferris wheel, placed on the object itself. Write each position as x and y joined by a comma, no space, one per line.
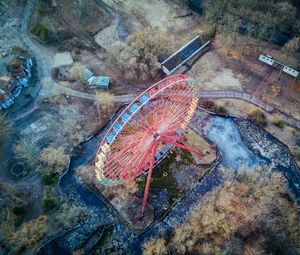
146,130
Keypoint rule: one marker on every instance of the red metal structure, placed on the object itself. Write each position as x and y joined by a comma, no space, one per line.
146,130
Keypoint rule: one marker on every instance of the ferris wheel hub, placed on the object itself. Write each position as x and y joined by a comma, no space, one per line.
156,136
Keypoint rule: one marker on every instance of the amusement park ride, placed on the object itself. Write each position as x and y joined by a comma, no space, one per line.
145,131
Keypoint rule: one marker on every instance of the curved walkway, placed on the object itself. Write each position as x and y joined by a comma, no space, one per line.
254,100
126,98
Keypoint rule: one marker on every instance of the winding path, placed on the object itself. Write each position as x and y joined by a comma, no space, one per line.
43,56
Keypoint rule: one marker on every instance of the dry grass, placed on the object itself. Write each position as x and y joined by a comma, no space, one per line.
76,71
196,141
105,100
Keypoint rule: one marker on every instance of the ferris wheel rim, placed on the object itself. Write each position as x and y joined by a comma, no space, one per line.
108,150
136,100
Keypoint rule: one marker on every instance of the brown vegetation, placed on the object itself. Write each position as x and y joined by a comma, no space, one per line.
257,116
56,158
257,21
138,57
18,237
250,213
30,233
105,100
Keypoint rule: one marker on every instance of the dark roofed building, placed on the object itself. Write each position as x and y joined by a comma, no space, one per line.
181,56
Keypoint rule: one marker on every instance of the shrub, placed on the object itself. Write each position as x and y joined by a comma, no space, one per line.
49,178
19,210
297,154
42,32
219,109
30,233
278,122
155,246
48,203
207,104
48,200
258,117
209,34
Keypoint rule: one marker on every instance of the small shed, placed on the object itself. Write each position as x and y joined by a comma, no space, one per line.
99,82
87,74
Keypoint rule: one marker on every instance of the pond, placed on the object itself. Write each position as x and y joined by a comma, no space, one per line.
234,152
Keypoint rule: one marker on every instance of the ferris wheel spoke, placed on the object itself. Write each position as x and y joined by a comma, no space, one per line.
130,164
185,147
129,148
134,121
177,119
144,124
174,113
135,145
146,193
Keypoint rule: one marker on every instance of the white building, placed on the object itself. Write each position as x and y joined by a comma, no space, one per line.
270,61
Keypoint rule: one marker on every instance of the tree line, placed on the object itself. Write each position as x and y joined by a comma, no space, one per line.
271,20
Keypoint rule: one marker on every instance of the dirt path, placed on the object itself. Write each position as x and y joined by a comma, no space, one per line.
44,59
126,98
43,56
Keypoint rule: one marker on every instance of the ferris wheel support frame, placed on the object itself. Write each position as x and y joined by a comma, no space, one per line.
153,148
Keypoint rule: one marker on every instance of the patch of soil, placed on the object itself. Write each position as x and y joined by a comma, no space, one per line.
212,74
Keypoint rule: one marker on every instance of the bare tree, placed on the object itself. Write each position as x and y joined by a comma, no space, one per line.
155,246
84,10
291,47
138,57
56,158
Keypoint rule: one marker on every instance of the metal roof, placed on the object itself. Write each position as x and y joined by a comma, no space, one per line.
183,54
99,81
87,74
